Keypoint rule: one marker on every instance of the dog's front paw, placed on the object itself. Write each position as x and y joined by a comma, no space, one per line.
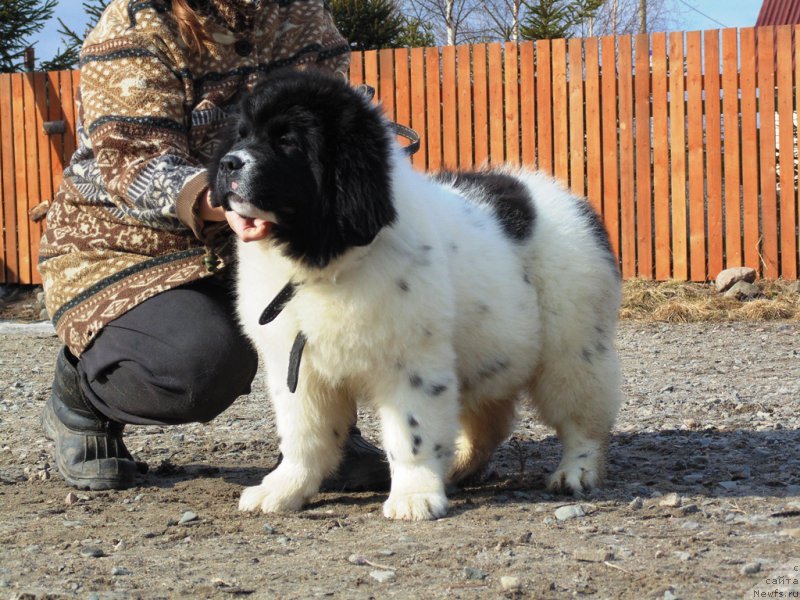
573,478
415,507
277,493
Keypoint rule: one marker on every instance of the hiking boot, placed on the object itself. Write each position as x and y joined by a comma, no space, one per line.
364,467
89,450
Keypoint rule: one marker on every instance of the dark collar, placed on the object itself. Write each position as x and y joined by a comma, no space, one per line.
275,308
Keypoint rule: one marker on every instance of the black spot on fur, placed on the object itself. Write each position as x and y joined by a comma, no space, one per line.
403,285
415,451
412,421
586,353
526,279
319,160
437,389
336,434
417,441
493,368
453,247
584,455
483,308
415,380
601,347
437,447
507,195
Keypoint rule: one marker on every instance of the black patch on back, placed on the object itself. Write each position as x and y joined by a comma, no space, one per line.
508,197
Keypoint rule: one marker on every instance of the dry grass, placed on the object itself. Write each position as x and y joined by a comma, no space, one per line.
681,302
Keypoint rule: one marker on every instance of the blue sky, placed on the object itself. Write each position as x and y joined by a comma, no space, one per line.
730,13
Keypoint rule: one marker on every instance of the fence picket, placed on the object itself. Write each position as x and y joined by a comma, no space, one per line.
627,171
449,108
465,104
577,158
418,116
511,104
711,87
694,120
644,196
433,105
481,104
594,151
608,76
527,104
749,128
786,149
544,107
766,120
560,111
8,215
734,256
497,136
677,138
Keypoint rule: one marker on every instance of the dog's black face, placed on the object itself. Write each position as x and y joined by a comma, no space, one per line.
307,158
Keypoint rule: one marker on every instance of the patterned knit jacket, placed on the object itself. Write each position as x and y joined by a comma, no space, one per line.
123,226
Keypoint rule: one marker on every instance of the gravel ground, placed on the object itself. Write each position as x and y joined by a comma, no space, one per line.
702,498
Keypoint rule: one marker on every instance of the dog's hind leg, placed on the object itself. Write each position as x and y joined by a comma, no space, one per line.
419,417
580,399
313,426
484,427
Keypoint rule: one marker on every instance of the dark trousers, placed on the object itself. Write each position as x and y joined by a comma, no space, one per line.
178,357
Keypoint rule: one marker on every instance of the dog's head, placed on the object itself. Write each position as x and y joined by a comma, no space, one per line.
306,162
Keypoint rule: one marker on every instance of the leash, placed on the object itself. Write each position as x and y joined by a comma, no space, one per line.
412,136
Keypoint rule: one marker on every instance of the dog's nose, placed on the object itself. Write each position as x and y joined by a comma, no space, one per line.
231,162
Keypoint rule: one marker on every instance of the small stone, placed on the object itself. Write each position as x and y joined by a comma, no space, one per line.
794,533
671,501
71,499
120,571
267,528
689,509
636,503
743,291
571,511
121,545
588,555
382,576
44,315
509,583
671,595
92,552
357,559
188,517
683,556
691,525
472,573
726,279
750,568
728,485
386,552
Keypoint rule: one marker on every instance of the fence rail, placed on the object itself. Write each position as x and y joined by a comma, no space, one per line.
685,142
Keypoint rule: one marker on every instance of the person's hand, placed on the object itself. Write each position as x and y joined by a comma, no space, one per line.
208,212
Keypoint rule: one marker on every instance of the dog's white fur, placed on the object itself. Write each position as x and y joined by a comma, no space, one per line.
442,299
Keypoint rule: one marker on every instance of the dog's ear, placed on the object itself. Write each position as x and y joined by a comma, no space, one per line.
362,174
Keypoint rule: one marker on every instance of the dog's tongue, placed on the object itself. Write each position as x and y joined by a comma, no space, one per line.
253,228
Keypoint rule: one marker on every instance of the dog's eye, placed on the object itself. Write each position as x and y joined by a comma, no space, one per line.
287,141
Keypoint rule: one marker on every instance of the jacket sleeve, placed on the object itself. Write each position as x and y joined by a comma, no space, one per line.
134,111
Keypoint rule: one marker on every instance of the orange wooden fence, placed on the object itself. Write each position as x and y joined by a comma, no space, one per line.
686,143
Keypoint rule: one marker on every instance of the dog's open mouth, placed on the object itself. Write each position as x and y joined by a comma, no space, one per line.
249,218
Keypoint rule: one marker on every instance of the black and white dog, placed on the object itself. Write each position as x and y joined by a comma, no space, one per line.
442,300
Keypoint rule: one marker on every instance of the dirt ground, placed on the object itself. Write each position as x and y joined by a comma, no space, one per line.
702,497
